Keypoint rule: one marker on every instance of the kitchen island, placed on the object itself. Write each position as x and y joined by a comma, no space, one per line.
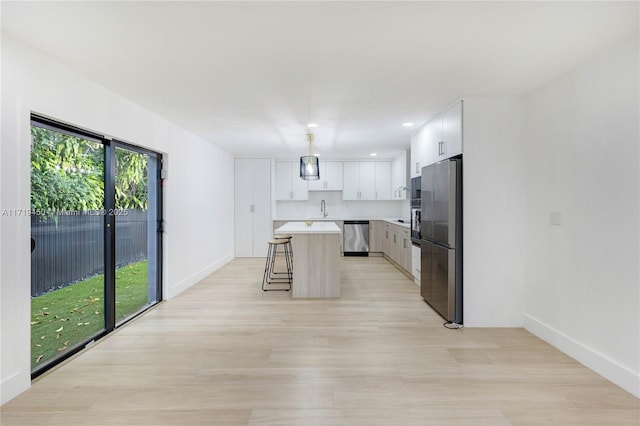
316,258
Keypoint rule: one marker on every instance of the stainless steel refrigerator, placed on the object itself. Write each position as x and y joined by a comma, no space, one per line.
441,238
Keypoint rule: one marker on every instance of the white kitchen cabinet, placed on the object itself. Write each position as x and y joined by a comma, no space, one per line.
439,139
446,140
252,206
452,131
367,183
419,148
351,184
367,180
330,177
399,177
289,185
383,181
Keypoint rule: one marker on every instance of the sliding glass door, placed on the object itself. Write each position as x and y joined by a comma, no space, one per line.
67,242
95,238
136,218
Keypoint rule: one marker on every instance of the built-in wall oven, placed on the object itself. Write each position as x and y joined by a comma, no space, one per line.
416,210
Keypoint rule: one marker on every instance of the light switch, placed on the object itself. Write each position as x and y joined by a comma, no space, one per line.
555,218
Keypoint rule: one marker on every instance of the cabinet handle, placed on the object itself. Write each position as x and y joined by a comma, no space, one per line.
290,194
386,235
394,238
404,243
417,167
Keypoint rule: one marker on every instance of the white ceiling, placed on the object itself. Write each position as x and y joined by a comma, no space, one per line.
248,76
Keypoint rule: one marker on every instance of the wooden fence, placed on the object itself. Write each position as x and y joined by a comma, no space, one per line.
72,248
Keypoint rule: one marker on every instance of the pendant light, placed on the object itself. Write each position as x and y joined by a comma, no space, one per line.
309,165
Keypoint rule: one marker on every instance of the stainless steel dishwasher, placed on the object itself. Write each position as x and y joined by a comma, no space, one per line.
356,238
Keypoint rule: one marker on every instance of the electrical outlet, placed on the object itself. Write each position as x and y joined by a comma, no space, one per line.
555,218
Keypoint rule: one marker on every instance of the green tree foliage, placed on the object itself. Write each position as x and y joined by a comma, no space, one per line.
67,174
131,180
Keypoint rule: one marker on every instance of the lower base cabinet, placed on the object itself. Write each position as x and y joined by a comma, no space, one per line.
397,245
376,234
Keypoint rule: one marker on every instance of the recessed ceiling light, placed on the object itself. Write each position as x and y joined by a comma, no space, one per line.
312,125
407,124
316,155
373,154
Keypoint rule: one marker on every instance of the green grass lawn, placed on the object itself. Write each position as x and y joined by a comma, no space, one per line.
64,318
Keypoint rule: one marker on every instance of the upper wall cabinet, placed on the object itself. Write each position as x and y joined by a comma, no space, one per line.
451,132
330,177
289,185
439,139
367,180
419,144
399,177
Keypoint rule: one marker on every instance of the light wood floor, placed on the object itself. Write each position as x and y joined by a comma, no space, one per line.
225,353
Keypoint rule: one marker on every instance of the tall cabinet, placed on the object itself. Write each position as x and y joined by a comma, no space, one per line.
252,206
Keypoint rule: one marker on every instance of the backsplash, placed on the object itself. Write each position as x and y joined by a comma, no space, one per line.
337,207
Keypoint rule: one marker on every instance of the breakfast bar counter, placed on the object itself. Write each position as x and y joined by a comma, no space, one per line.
316,258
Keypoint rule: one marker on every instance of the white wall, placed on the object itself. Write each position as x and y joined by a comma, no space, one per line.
198,191
493,209
582,161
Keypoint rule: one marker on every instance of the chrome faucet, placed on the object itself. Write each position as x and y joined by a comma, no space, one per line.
323,208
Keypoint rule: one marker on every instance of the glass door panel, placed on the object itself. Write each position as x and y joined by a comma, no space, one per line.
67,243
136,224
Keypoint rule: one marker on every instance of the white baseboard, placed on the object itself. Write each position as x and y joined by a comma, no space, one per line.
192,279
13,385
591,358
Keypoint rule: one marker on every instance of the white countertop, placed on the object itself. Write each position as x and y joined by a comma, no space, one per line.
406,223
302,228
